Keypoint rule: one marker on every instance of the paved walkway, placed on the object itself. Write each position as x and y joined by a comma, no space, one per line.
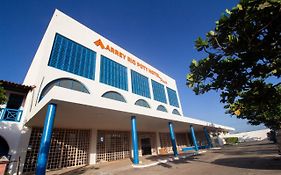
244,159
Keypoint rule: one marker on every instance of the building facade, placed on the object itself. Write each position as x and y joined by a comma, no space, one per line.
92,101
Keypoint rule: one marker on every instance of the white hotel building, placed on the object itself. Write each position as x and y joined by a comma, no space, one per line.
87,100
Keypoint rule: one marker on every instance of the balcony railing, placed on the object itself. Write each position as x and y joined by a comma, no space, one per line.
12,115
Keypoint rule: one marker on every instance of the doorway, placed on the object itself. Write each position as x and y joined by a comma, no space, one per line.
4,147
146,146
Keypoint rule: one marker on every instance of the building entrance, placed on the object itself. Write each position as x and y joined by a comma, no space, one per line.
146,146
4,147
112,145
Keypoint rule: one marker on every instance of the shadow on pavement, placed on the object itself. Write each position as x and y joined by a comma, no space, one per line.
262,163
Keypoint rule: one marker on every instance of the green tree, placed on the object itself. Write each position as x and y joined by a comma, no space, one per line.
3,97
243,62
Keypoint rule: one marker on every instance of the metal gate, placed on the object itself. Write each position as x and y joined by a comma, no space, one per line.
112,145
69,147
165,142
181,141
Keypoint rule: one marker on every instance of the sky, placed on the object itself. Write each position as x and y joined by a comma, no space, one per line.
160,32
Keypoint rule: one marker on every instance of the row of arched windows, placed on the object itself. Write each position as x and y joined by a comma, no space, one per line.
78,86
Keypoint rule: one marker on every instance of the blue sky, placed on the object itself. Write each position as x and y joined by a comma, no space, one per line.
160,32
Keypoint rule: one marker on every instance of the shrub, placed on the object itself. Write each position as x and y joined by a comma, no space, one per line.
231,140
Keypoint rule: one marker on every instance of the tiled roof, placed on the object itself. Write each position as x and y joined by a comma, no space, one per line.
8,85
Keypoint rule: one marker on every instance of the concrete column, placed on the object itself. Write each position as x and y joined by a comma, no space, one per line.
93,147
158,145
135,140
129,80
208,138
193,137
173,139
97,70
46,140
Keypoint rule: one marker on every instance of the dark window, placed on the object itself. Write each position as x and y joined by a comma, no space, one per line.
113,74
4,147
140,84
142,102
161,108
114,96
158,92
173,98
15,101
65,83
72,57
176,112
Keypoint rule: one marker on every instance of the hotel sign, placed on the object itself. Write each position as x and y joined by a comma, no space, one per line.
133,61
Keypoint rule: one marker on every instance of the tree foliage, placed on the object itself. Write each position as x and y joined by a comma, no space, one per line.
243,62
3,97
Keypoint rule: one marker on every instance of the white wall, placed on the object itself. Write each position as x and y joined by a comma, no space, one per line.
250,136
40,74
16,134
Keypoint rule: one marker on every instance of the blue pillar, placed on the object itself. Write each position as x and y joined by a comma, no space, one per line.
46,140
193,137
208,138
173,139
135,140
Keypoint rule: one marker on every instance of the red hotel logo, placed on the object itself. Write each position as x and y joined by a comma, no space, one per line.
100,44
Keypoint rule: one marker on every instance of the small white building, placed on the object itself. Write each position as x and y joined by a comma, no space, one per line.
90,101
249,136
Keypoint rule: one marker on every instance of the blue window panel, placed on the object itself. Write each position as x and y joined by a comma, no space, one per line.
173,98
140,84
113,73
158,92
78,60
66,58
72,57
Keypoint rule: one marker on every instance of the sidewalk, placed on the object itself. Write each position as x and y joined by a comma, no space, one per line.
107,168
258,158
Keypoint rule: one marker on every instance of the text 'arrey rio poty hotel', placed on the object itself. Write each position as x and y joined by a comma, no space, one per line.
92,101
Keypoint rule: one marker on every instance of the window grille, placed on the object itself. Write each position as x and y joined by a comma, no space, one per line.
69,147
112,145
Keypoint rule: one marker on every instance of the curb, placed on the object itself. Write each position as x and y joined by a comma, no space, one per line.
170,159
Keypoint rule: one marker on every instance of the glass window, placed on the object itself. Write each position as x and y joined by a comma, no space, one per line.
176,112
158,92
173,98
114,96
72,57
113,74
142,103
65,83
140,84
161,108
